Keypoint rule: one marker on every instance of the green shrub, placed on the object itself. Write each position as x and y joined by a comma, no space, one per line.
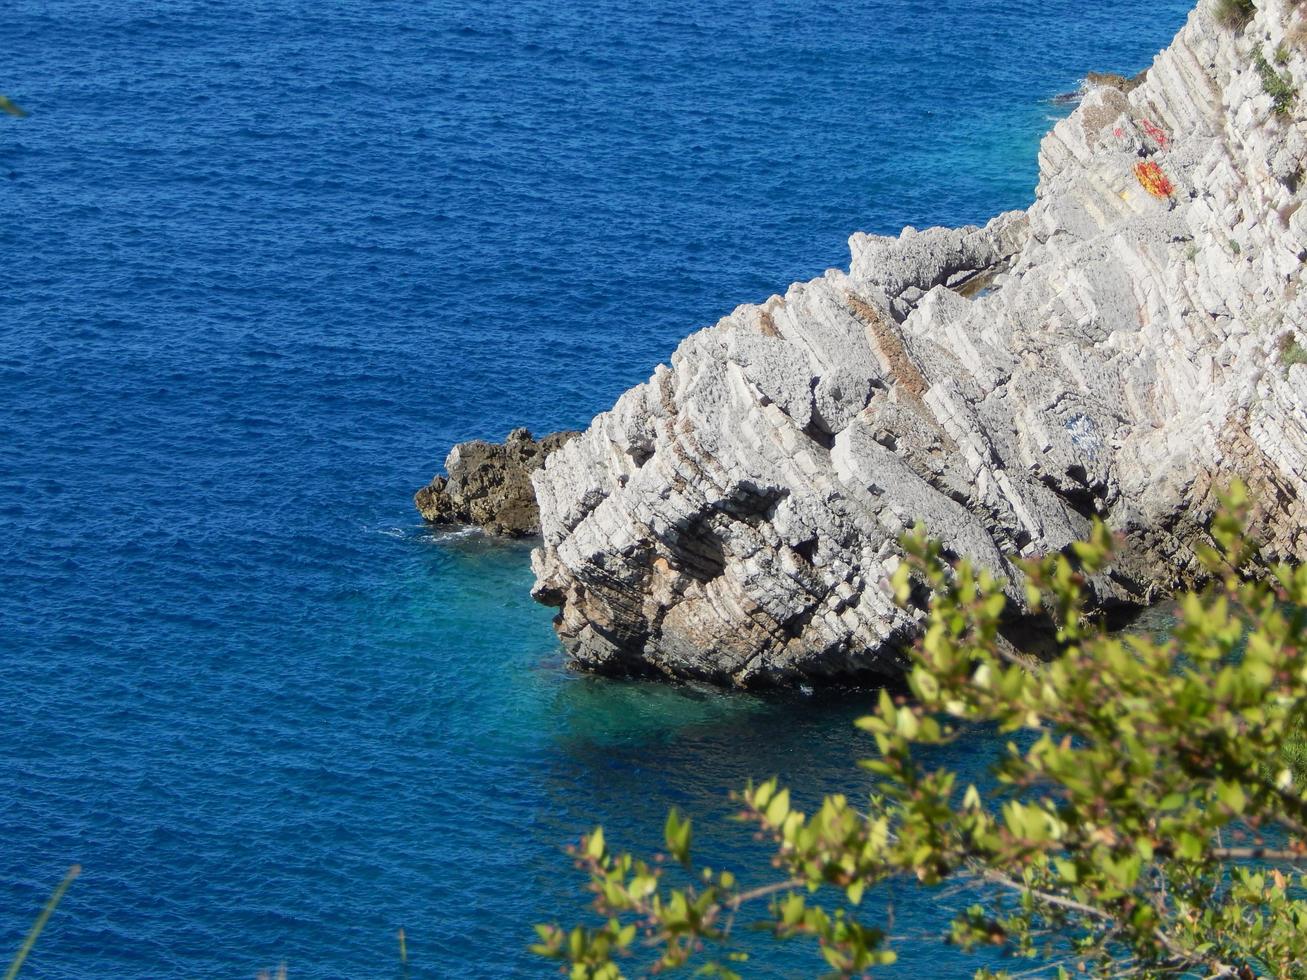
1291,352
1235,14
1295,754
1278,87
1144,819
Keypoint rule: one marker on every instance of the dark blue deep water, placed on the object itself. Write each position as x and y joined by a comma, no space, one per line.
262,262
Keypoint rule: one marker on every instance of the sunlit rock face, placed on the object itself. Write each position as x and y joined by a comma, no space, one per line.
1121,349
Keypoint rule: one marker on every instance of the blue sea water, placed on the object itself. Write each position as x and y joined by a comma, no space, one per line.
264,262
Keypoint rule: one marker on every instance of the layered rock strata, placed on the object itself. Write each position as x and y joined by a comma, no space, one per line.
488,484
735,518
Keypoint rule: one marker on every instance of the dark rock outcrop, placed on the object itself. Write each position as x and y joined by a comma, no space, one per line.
1122,83
1125,84
488,484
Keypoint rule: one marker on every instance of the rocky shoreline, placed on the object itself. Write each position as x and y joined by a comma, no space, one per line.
1115,351
488,484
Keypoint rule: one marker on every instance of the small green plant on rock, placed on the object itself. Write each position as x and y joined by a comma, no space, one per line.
1235,14
1142,820
1278,87
1291,352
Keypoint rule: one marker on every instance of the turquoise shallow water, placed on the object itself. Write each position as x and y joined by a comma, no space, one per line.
265,261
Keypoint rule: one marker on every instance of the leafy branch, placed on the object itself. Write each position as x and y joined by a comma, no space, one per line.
1099,846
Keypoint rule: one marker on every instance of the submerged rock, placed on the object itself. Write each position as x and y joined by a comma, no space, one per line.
1113,351
489,484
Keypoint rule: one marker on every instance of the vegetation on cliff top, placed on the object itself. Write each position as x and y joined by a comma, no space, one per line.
1142,820
1235,14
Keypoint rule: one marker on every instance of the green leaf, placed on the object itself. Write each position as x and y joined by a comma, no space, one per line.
677,835
925,684
792,909
779,808
1232,795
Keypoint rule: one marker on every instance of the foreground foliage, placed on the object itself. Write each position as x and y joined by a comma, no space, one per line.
1141,820
38,926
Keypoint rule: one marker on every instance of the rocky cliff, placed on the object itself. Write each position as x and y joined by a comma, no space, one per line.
1120,349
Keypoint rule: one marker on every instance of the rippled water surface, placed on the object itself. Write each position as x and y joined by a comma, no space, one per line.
263,264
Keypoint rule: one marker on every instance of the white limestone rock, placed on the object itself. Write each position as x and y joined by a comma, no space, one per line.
735,518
